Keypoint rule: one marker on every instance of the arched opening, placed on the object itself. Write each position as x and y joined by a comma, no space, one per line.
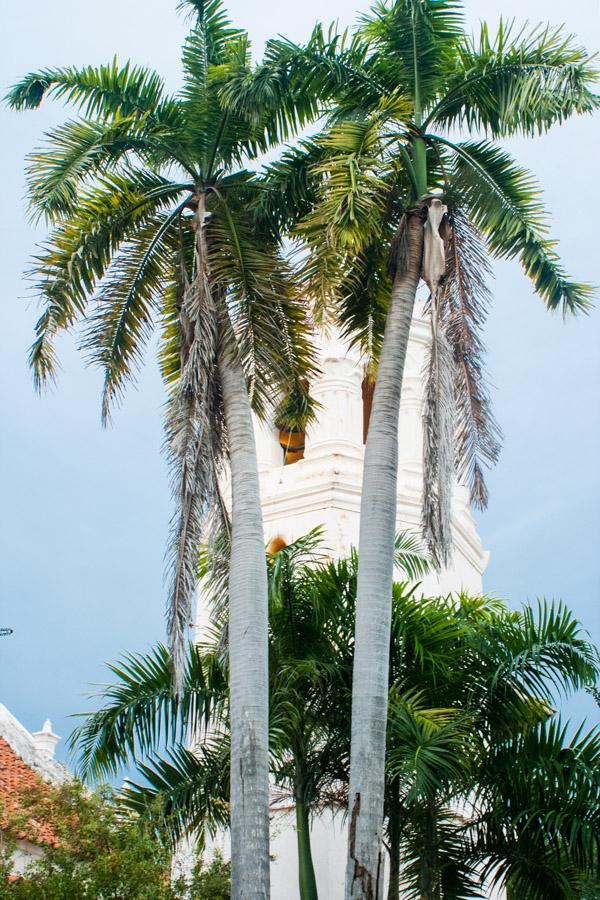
292,443
293,415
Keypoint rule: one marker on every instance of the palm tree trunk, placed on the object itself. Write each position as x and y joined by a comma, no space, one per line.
307,881
374,588
248,650
394,835
429,872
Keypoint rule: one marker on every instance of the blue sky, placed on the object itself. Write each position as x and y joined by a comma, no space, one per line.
85,512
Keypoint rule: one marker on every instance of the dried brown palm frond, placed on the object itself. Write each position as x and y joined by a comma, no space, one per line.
460,435
438,446
464,301
195,445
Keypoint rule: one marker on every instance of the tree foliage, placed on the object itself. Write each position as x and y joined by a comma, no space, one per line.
482,777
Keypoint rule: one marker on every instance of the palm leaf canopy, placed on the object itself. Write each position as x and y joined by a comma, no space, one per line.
118,186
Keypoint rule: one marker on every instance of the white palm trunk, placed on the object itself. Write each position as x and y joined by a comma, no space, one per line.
248,651
374,589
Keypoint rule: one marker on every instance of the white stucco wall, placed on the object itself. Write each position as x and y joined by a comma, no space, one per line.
25,854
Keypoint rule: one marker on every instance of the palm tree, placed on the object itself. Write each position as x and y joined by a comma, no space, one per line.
399,199
154,223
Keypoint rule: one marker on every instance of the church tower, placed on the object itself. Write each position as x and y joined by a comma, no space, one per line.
323,487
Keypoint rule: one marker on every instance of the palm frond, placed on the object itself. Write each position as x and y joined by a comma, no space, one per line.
425,746
195,445
75,258
270,334
364,290
546,651
79,151
517,81
98,91
502,200
331,66
139,712
409,556
464,299
130,296
412,41
525,830
190,788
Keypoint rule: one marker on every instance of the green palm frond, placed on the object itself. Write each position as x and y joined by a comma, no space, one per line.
428,635
425,746
119,327
290,186
435,857
546,651
330,66
103,91
79,151
539,825
270,330
189,789
503,200
355,189
413,41
139,711
517,82
78,252
409,556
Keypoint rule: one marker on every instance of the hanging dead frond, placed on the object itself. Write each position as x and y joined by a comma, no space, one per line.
438,448
195,446
455,379
439,405
213,567
464,303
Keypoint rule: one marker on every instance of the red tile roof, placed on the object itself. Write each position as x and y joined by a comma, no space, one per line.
16,777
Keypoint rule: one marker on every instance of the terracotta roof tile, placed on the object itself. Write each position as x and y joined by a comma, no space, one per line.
16,777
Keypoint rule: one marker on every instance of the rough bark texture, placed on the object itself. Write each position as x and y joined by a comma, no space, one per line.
248,651
374,590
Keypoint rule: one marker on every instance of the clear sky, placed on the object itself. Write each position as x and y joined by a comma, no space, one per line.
85,512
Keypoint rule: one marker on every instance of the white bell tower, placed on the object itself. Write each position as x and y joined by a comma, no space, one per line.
324,487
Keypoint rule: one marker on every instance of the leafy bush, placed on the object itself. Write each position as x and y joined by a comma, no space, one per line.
100,852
